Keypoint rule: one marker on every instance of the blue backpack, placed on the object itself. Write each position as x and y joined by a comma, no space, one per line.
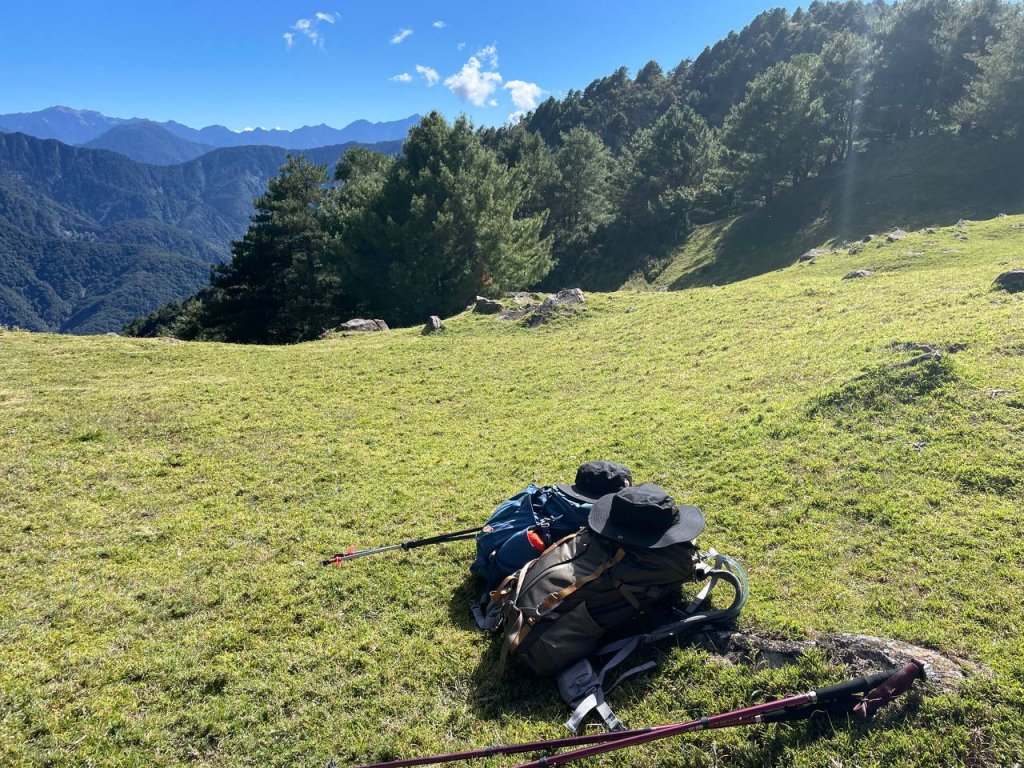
522,527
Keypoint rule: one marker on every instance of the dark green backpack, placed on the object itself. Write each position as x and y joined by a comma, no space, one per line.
558,609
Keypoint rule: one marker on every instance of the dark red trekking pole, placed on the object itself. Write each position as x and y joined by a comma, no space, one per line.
882,688
862,697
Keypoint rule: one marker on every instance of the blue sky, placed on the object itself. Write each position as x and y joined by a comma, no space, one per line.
287,64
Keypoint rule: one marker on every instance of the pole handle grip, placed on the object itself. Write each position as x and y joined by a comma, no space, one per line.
895,686
851,687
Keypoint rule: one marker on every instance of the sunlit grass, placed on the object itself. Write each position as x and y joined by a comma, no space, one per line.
164,506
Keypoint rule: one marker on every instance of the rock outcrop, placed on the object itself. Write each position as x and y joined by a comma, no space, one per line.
359,325
486,306
1011,282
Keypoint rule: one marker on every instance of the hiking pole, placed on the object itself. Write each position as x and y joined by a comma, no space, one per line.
881,689
351,553
833,699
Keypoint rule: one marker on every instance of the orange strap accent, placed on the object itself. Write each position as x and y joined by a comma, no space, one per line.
563,593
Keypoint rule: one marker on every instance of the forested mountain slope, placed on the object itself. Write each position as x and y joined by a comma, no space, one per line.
91,239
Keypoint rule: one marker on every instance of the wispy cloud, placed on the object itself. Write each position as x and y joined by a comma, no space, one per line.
310,28
429,74
405,77
400,35
472,83
524,95
489,53
460,46
439,25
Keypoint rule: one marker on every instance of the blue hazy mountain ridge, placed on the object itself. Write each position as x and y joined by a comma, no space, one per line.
148,142
80,126
90,239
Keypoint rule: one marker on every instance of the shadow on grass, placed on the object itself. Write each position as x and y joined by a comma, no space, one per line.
911,185
521,695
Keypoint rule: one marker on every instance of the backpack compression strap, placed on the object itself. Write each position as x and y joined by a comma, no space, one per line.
582,688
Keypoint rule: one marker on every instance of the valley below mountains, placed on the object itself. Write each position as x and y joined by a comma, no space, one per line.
90,239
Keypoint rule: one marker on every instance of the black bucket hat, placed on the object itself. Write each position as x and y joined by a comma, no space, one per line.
596,479
645,516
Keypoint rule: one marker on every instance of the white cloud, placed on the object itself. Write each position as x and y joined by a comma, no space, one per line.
472,84
460,46
439,25
309,28
524,95
405,77
516,116
490,53
400,35
429,74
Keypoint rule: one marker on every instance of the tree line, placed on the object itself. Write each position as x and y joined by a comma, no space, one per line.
588,188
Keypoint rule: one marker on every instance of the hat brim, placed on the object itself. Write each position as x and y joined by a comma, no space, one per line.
687,526
575,492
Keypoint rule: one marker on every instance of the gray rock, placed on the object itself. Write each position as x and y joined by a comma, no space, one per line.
486,306
858,273
524,298
1011,282
930,231
518,313
561,303
566,297
959,235
434,325
811,255
868,238
359,325
896,234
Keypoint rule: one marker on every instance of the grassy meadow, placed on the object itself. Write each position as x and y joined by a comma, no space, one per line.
164,507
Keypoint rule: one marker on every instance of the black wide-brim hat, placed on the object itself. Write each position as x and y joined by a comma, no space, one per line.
645,516
596,479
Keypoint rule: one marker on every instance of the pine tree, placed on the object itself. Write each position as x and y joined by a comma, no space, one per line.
277,288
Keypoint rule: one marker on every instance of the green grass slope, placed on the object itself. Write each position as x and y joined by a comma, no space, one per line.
163,509
909,184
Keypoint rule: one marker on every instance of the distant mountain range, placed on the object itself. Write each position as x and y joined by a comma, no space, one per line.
148,142
152,142
90,239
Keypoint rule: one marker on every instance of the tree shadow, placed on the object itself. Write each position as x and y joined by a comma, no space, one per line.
910,185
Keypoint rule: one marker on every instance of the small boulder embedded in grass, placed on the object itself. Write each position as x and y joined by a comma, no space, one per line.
868,238
359,325
1011,282
486,306
562,303
523,298
858,273
434,325
896,234
812,254
860,654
